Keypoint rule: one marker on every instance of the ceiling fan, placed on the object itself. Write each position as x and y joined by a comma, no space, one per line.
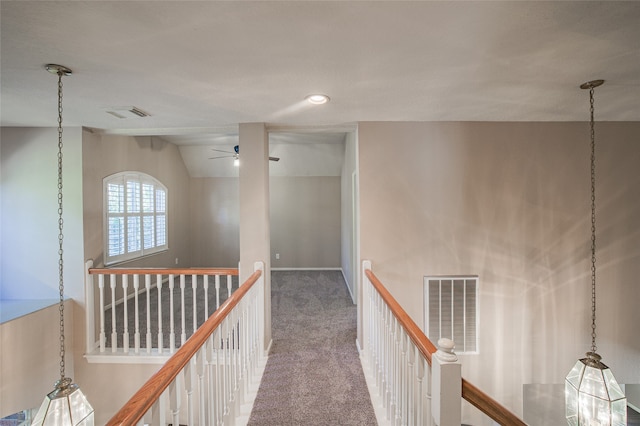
235,155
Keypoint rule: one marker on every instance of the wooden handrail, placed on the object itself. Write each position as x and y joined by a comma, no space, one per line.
471,393
489,406
164,271
142,401
422,342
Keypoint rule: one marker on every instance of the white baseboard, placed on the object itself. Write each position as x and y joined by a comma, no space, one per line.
353,299
268,351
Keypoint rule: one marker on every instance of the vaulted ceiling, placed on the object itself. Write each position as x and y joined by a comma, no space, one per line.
201,67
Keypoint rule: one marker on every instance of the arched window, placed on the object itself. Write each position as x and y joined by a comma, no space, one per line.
135,219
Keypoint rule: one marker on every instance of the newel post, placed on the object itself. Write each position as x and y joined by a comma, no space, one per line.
89,304
446,377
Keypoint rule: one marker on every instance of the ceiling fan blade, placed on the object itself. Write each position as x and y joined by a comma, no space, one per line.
274,158
222,156
219,150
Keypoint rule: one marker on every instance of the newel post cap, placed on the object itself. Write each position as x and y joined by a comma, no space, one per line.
445,351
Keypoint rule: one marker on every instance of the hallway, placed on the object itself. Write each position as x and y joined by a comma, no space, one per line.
313,375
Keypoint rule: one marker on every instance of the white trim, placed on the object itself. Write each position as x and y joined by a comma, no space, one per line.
121,358
426,307
307,269
268,350
353,299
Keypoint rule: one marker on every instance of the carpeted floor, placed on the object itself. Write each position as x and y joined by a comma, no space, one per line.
313,375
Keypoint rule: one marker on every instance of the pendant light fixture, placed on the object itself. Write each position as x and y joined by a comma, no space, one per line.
592,395
66,404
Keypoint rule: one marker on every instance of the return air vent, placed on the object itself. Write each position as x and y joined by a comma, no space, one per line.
127,112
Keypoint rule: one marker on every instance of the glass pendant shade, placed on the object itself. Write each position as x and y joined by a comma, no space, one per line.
66,405
593,396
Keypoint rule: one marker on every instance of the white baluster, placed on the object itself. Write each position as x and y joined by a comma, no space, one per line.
250,340
234,359
378,330
404,378
223,367
89,303
244,346
200,371
174,399
188,387
147,286
125,335
160,333
206,297
143,421
380,343
172,330
395,385
229,286
412,378
114,334
217,291
389,363
136,332
183,334
213,380
219,383
194,286
102,332
421,400
159,411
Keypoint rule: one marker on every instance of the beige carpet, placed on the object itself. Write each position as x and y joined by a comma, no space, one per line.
313,375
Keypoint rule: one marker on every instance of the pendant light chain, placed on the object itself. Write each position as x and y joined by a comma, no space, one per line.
593,226
60,223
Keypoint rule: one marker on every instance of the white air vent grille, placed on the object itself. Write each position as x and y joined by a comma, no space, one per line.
127,112
451,305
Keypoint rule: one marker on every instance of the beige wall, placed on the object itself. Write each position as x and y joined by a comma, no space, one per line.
305,221
510,203
104,155
27,375
214,222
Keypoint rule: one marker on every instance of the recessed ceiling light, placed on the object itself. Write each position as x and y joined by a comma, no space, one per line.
317,99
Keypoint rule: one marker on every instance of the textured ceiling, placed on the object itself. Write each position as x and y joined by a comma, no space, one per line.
201,67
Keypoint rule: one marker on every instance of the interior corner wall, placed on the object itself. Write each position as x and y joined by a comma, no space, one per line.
510,202
347,242
104,155
29,239
30,215
305,221
215,222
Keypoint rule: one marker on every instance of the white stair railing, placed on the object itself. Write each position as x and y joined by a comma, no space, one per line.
213,378
125,308
396,358
408,385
